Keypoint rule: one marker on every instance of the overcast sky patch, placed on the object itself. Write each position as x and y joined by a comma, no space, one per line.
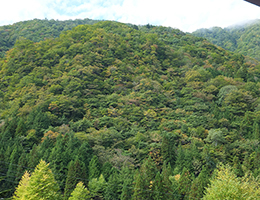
186,15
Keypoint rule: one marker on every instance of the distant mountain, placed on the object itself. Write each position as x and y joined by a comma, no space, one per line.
244,39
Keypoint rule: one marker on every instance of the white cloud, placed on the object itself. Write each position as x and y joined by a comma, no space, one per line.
186,15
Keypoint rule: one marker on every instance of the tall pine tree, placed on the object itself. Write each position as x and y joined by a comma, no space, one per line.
94,168
76,173
21,190
113,189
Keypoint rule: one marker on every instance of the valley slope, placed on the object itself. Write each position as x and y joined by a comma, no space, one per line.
127,100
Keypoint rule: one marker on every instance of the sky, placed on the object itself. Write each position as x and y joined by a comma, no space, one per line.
186,15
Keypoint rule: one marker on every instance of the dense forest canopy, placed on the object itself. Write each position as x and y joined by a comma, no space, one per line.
35,30
243,39
118,111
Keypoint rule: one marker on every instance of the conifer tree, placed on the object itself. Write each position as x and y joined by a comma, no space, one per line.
175,194
126,192
80,192
22,163
157,188
21,128
94,168
210,161
42,184
141,190
12,168
97,186
199,184
59,160
106,170
167,184
185,183
188,158
247,164
148,169
85,153
76,173
127,188
45,149
144,179
5,154
168,148
2,163
33,157
113,188
179,160
72,143
21,190
256,169
9,129
40,122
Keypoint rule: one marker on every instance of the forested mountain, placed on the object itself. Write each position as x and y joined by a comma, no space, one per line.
35,30
120,112
243,39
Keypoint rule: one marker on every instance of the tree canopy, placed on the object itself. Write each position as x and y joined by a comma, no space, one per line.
129,111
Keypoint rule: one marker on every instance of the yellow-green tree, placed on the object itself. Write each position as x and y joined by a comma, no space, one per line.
21,190
40,185
226,185
80,192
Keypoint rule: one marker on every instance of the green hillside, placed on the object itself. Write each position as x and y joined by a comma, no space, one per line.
35,30
133,114
243,39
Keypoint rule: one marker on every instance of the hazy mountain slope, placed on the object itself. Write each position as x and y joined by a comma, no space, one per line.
242,39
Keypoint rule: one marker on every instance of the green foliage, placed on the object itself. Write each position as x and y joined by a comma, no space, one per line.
113,188
143,180
40,185
35,30
108,96
22,162
97,187
94,168
240,39
199,185
215,137
80,192
185,183
225,185
76,172
21,190
127,187
168,148
157,187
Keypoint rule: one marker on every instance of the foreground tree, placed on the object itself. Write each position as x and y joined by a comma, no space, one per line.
80,192
21,190
226,185
41,185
